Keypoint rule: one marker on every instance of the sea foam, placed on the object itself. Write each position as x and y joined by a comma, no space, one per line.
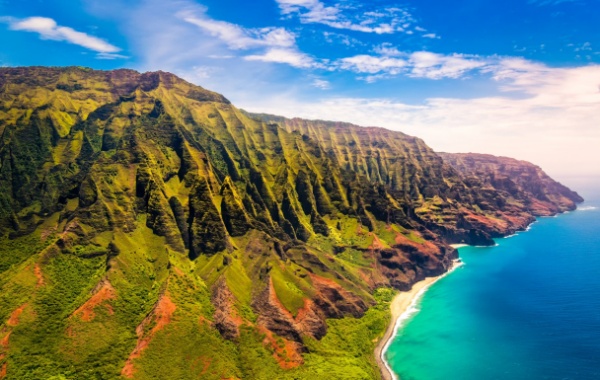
587,208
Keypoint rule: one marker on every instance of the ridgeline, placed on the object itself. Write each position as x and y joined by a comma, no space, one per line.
150,229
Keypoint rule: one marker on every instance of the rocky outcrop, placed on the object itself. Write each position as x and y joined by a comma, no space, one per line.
309,321
226,318
335,301
407,261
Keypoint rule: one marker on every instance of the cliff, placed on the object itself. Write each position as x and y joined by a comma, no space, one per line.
149,228
526,186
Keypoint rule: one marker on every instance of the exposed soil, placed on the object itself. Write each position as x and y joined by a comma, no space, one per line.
335,301
37,270
4,340
285,352
226,318
161,316
104,292
13,320
47,232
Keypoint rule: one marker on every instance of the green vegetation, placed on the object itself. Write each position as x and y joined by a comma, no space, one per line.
149,229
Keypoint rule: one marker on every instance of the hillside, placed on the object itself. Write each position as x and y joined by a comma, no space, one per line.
524,183
150,229
465,198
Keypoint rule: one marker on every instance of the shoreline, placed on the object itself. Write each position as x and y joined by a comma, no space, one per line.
402,307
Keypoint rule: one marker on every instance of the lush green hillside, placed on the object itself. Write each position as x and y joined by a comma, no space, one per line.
150,229
465,198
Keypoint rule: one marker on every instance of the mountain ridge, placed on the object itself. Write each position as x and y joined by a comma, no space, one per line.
225,244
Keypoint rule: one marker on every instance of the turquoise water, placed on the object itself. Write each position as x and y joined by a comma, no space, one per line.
526,309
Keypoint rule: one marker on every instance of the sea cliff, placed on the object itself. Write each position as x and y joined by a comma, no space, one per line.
151,228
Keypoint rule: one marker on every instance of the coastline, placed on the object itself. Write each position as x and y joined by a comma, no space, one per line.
401,308
404,303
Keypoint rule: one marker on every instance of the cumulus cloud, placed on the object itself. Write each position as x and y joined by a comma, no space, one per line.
48,29
389,61
380,21
289,56
372,64
437,66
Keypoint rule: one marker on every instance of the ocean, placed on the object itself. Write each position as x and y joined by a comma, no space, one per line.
526,309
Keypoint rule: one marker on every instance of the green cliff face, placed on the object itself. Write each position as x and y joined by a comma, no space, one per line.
150,229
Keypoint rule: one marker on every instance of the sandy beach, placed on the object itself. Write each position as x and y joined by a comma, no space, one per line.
399,306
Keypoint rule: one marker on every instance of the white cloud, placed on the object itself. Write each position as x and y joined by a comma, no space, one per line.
321,84
203,72
332,37
220,56
110,56
279,43
433,36
48,29
372,65
586,46
380,21
388,50
315,10
420,64
438,66
289,56
553,122
238,37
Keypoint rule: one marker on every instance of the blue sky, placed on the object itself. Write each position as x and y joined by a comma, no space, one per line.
516,78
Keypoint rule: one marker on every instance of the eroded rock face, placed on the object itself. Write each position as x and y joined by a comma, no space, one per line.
330,301
158,319
335,301
407,262
309,321
521,181
274,316
226,318
207,231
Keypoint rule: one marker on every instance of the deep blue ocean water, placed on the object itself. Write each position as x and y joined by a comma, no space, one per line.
526,309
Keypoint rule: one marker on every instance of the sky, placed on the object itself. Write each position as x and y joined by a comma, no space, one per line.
517,78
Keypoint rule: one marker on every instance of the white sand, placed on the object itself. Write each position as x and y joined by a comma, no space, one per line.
402,308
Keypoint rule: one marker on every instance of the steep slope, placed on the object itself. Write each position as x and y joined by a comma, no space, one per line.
151,229
525,185
438,191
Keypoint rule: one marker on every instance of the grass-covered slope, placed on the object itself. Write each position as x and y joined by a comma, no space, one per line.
150,229
466,198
